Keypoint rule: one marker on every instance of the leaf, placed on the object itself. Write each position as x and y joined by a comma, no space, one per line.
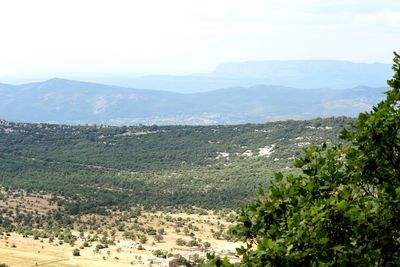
260,192
324,240
298,163
310,186
278,177
342,205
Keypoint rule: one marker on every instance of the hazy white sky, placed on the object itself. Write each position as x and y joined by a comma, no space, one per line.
185,36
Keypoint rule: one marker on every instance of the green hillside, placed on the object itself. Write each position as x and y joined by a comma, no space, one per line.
93,168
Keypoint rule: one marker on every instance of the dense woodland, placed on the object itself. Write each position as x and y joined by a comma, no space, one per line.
92,169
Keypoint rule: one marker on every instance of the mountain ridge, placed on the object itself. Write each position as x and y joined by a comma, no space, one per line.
333,74
74,102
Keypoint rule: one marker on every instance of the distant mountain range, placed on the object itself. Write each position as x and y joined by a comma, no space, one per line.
73,102
295,73
306,74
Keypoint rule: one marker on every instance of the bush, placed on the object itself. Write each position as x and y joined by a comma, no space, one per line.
76,252
180,242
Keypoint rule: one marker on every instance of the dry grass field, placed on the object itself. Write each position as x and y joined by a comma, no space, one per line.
133,240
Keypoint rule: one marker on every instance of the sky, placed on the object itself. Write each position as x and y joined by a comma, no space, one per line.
187,36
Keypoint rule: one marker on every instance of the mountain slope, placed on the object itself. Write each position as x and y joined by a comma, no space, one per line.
156,166
72,102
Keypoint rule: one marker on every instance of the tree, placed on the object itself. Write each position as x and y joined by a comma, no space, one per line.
76,252
180,242
158,238
343,210
143,239
206,245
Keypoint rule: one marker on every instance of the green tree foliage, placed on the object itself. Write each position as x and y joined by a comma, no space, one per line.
343,209
94,169
212,261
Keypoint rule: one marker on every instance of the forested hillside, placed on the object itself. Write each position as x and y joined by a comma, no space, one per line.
93,168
